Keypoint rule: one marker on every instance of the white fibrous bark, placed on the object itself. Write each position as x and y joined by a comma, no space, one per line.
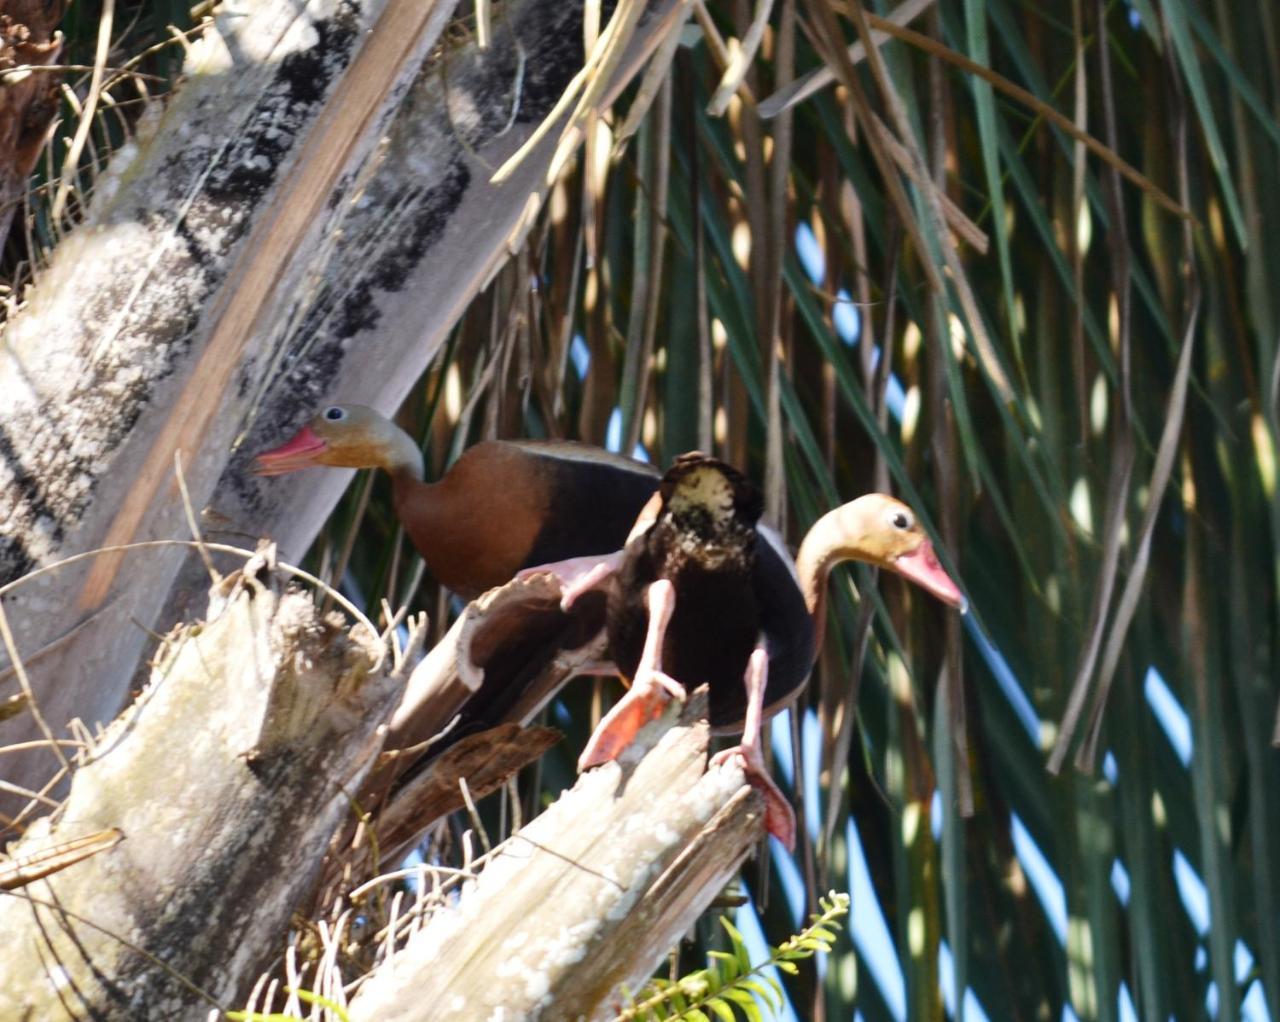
583,902
224,782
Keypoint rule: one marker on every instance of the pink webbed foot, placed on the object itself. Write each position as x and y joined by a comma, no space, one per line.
577,575
645,701
651,687
779,817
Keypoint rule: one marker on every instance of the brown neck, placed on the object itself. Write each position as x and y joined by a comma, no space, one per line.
818,555
420,508
476,526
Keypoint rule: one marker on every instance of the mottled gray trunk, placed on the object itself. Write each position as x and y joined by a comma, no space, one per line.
226,777
307,218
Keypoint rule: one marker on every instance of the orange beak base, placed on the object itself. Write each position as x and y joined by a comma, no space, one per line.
921,567
300,452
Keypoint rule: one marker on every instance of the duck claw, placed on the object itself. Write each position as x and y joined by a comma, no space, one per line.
577,575
779,817
645,702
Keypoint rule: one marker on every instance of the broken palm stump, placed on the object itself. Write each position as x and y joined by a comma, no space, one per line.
587,898
226,779
508,654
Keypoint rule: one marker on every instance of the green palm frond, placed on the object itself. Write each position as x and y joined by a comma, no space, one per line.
1040,301
1085,526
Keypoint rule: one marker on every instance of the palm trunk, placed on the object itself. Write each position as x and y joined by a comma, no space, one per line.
583,902
212,802
227,778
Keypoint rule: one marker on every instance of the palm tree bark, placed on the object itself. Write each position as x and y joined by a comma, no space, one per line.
209,836
586,899
226,778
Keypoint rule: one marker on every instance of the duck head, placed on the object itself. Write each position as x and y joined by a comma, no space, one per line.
880,530
344,436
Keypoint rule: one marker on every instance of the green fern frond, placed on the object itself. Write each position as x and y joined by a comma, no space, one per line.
730,980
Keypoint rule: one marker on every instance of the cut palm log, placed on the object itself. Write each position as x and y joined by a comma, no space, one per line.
586,899
226,778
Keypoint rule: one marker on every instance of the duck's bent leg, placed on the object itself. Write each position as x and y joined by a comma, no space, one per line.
779,818
577,575
650,691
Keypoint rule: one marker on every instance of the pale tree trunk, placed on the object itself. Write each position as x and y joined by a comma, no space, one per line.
213,800
226,779
306,219
582,903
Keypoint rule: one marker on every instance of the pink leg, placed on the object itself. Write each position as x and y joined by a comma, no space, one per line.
577,575
651,688
779,818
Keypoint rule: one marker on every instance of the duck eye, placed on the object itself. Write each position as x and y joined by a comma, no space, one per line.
335,414
900,520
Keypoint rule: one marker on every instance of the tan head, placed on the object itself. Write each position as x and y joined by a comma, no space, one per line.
345,436
879,530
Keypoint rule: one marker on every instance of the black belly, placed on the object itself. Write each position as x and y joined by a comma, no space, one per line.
594,507
715,626
709,647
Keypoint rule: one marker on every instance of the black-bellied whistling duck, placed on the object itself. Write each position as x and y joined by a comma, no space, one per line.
690,603
503,506
683,607
509,505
